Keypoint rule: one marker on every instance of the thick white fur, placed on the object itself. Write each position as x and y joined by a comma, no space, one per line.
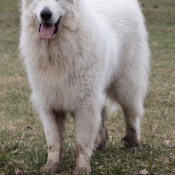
100,51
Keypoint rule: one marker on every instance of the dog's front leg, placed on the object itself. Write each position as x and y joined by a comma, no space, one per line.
87,121
53,123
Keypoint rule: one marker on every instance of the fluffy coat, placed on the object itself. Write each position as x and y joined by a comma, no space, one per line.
100,50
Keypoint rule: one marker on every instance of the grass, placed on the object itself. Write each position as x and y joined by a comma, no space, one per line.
22,142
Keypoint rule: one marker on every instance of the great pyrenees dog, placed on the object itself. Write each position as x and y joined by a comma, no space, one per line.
78,53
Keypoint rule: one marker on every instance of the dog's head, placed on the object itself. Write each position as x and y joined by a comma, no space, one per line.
48,14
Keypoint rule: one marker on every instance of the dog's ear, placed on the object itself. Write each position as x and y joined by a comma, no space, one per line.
72,24
73,2
25,3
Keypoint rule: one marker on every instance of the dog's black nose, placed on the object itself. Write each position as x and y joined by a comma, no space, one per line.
46,14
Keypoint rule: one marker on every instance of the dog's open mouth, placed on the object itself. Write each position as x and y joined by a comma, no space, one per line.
47,30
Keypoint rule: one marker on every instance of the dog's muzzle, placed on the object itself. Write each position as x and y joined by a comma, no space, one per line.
47,29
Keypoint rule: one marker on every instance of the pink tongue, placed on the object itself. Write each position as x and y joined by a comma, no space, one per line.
47,30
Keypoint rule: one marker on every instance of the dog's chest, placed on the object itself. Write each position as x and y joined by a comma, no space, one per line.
66,92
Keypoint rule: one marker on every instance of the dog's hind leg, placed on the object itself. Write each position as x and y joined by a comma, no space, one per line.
53,123
130,97
132,116
103,133
131,102
87,122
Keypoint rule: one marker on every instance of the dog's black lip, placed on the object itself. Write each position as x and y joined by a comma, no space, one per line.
56,24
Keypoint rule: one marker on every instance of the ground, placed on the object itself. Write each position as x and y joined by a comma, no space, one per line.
22,142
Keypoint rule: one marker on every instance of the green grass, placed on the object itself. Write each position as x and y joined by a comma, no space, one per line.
22,141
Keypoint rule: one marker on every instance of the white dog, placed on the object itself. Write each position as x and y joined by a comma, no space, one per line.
77,53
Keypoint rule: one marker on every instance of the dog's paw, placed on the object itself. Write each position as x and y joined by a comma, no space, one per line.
78,171
130,142
83,166
100,146
101,140
50,168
